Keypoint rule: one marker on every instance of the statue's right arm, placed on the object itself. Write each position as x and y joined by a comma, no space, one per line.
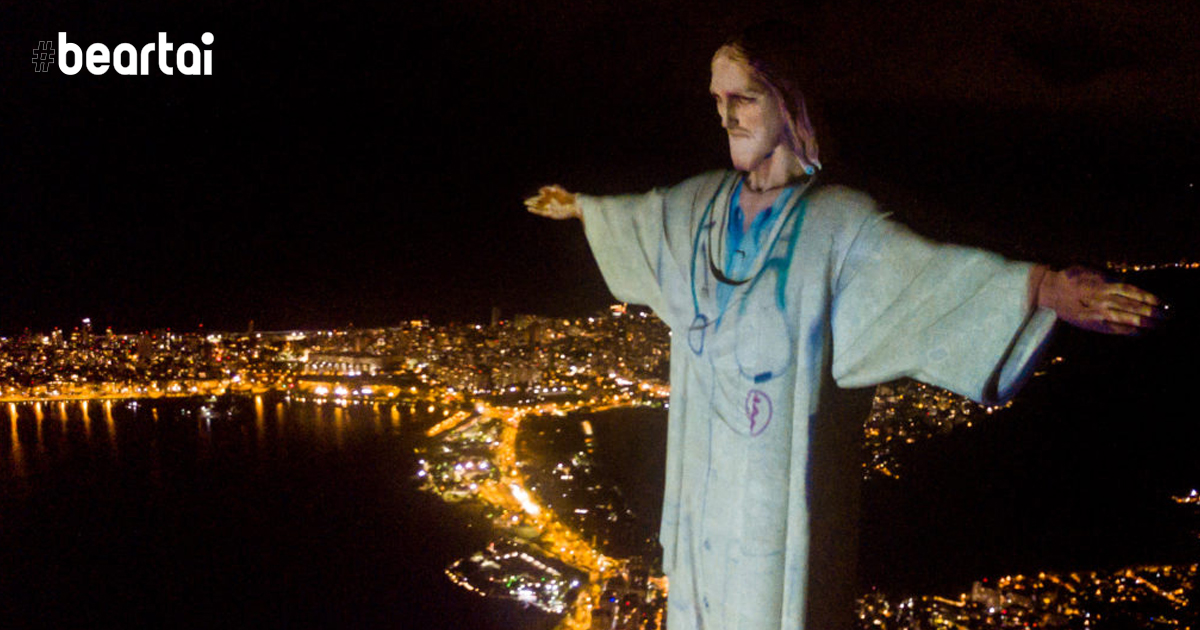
554,202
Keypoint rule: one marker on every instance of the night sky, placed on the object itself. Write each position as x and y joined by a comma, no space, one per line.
362,164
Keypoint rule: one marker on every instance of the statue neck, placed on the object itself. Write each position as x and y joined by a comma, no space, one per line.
780,169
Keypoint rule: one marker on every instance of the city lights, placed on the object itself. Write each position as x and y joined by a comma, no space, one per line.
475,390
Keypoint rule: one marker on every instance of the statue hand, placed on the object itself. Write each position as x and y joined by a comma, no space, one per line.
554,202
1084,298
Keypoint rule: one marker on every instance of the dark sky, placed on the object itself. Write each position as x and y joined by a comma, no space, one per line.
365,163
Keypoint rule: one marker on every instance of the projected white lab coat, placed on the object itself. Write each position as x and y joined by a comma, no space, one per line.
838,289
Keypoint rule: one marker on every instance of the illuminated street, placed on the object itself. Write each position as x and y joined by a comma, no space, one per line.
518,507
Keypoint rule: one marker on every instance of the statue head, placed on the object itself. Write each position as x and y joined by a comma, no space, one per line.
770,55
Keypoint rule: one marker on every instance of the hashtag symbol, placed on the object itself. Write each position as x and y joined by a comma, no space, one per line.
43,56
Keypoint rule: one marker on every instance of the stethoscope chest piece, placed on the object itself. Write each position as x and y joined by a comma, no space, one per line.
696,333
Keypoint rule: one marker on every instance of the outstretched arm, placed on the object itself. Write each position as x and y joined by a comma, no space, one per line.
554,202
625,235
1085,298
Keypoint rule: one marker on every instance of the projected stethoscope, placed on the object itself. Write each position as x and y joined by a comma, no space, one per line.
763,344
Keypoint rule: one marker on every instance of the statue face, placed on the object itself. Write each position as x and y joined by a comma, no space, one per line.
750,113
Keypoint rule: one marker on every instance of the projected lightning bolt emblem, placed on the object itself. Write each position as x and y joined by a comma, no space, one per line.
758,410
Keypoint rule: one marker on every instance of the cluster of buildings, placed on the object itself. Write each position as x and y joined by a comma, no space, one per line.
1142,597
509,571
907,411
634,600
524,360
530,358
521,361
83,364
562,471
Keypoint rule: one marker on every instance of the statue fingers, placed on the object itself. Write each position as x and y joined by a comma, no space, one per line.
1124,317
1130,292
1149,314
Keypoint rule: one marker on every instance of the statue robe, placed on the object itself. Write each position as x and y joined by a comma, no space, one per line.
838,291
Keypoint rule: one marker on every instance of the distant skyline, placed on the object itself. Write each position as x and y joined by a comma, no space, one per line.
365,163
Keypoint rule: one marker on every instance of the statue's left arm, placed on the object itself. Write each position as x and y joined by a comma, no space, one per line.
958,317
